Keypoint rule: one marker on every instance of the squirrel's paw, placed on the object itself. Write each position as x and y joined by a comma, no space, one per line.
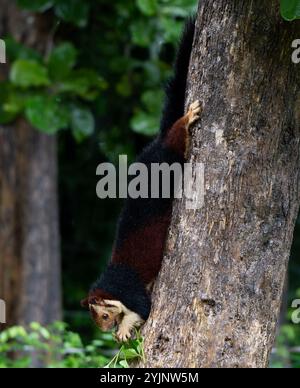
194,112
123,334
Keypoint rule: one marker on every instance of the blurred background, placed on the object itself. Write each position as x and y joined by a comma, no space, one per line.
82,83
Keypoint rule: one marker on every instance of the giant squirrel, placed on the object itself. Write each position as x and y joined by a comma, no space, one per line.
121,296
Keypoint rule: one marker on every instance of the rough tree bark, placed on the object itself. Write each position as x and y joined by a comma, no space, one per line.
29,237
218,297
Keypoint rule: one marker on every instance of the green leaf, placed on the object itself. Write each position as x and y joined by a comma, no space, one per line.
15,51
15,103
175,11
11,103
142,34
35,5
124,364
13,332
153,100
82,122
59,326
62,60
144,124
47,114
4,337
73,11
45,333
290,9
179,8
28,73
36,326
74,340
147,7
172,29
124,87
84,83
130,354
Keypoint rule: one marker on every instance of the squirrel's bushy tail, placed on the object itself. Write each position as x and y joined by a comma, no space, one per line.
176,87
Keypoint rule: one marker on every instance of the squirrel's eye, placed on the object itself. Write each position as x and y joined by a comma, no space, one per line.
105,317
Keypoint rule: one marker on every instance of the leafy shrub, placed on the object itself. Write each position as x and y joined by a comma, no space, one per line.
55,346
49,92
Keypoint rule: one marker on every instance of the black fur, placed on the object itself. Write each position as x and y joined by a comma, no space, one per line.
176,87
124,284
137,212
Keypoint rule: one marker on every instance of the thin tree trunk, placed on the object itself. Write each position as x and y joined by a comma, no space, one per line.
29,237
218,297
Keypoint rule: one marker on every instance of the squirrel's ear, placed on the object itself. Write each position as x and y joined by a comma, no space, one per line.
94,300
101,302
85,303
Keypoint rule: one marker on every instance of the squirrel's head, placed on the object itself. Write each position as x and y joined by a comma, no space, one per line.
107,314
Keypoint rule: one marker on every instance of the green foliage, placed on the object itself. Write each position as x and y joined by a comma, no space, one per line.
55,346
73,89
28,73
35,5
82,122
62,60
131,351
287,353
47,113
83,83
290,9
11,103
70,11
148,7
73,11
159,21
145,120
50,93
15,51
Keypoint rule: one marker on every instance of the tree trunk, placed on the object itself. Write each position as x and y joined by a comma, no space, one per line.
218,296
29,237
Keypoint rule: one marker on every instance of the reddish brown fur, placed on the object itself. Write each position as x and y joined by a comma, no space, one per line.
143,249
96,297
177,136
